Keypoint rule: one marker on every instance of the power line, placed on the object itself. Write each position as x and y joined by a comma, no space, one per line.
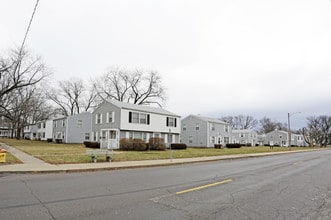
18,65
30,22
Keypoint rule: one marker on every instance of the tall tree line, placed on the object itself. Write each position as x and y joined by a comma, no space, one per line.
24,98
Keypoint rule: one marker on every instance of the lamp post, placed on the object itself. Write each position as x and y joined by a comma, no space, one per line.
289,127
169,138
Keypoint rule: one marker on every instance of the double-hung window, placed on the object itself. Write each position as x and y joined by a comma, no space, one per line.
110,117
139,118
143,118
171,122
98,118
79,123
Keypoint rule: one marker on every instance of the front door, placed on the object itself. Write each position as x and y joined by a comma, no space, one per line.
109,139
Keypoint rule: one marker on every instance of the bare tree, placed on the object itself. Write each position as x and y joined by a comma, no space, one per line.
230,120
28,105
241,121
138,87
72,96
20,70
267,125
245,122
318,130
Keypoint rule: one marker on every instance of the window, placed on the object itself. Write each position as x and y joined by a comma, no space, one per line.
242,135
137,135
110,117
144,136
95,135
98,118
43,135
190,139
197,127
79,123
280,136
171,122
139,118
184,127
39,125
135,117
87,136
212,126
44,125
63,122
55,124
58,135
212,139
226,128
143,118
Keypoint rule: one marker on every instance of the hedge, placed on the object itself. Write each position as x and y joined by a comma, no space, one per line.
49,140
178,146
233,145
90,144
127,144
156,144
219,146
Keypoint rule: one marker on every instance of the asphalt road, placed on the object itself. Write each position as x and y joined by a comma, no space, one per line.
292,186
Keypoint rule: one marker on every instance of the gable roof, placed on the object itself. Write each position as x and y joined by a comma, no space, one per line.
277,131
143,108
243,130
206,119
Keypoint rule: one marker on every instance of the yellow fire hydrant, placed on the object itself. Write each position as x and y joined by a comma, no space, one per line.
3,155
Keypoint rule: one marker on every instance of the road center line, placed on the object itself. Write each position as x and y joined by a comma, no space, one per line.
204,186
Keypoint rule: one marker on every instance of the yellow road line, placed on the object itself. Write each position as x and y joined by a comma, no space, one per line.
204,186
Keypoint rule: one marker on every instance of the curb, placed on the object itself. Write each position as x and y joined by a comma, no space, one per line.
146,164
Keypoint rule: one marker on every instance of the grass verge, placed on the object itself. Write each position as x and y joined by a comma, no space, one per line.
75,153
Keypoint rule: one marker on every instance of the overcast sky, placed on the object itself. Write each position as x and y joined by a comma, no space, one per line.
216,57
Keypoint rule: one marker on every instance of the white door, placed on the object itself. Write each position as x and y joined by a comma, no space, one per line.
109,139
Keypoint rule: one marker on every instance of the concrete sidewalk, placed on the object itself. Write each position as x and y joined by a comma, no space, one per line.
34,165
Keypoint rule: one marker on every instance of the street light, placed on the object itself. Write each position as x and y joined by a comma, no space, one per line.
289,127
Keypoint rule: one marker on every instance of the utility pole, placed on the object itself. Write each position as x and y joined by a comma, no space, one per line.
289,128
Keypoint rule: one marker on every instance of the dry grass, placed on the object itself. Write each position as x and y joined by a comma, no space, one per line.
196,152
75,153
10,159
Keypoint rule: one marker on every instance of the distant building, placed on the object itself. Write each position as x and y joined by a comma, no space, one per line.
280,138
246,137
73,128
198,131
30,132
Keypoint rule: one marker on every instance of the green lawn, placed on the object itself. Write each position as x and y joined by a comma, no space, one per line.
75,153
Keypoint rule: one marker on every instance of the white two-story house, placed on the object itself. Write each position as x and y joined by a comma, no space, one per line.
114,120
